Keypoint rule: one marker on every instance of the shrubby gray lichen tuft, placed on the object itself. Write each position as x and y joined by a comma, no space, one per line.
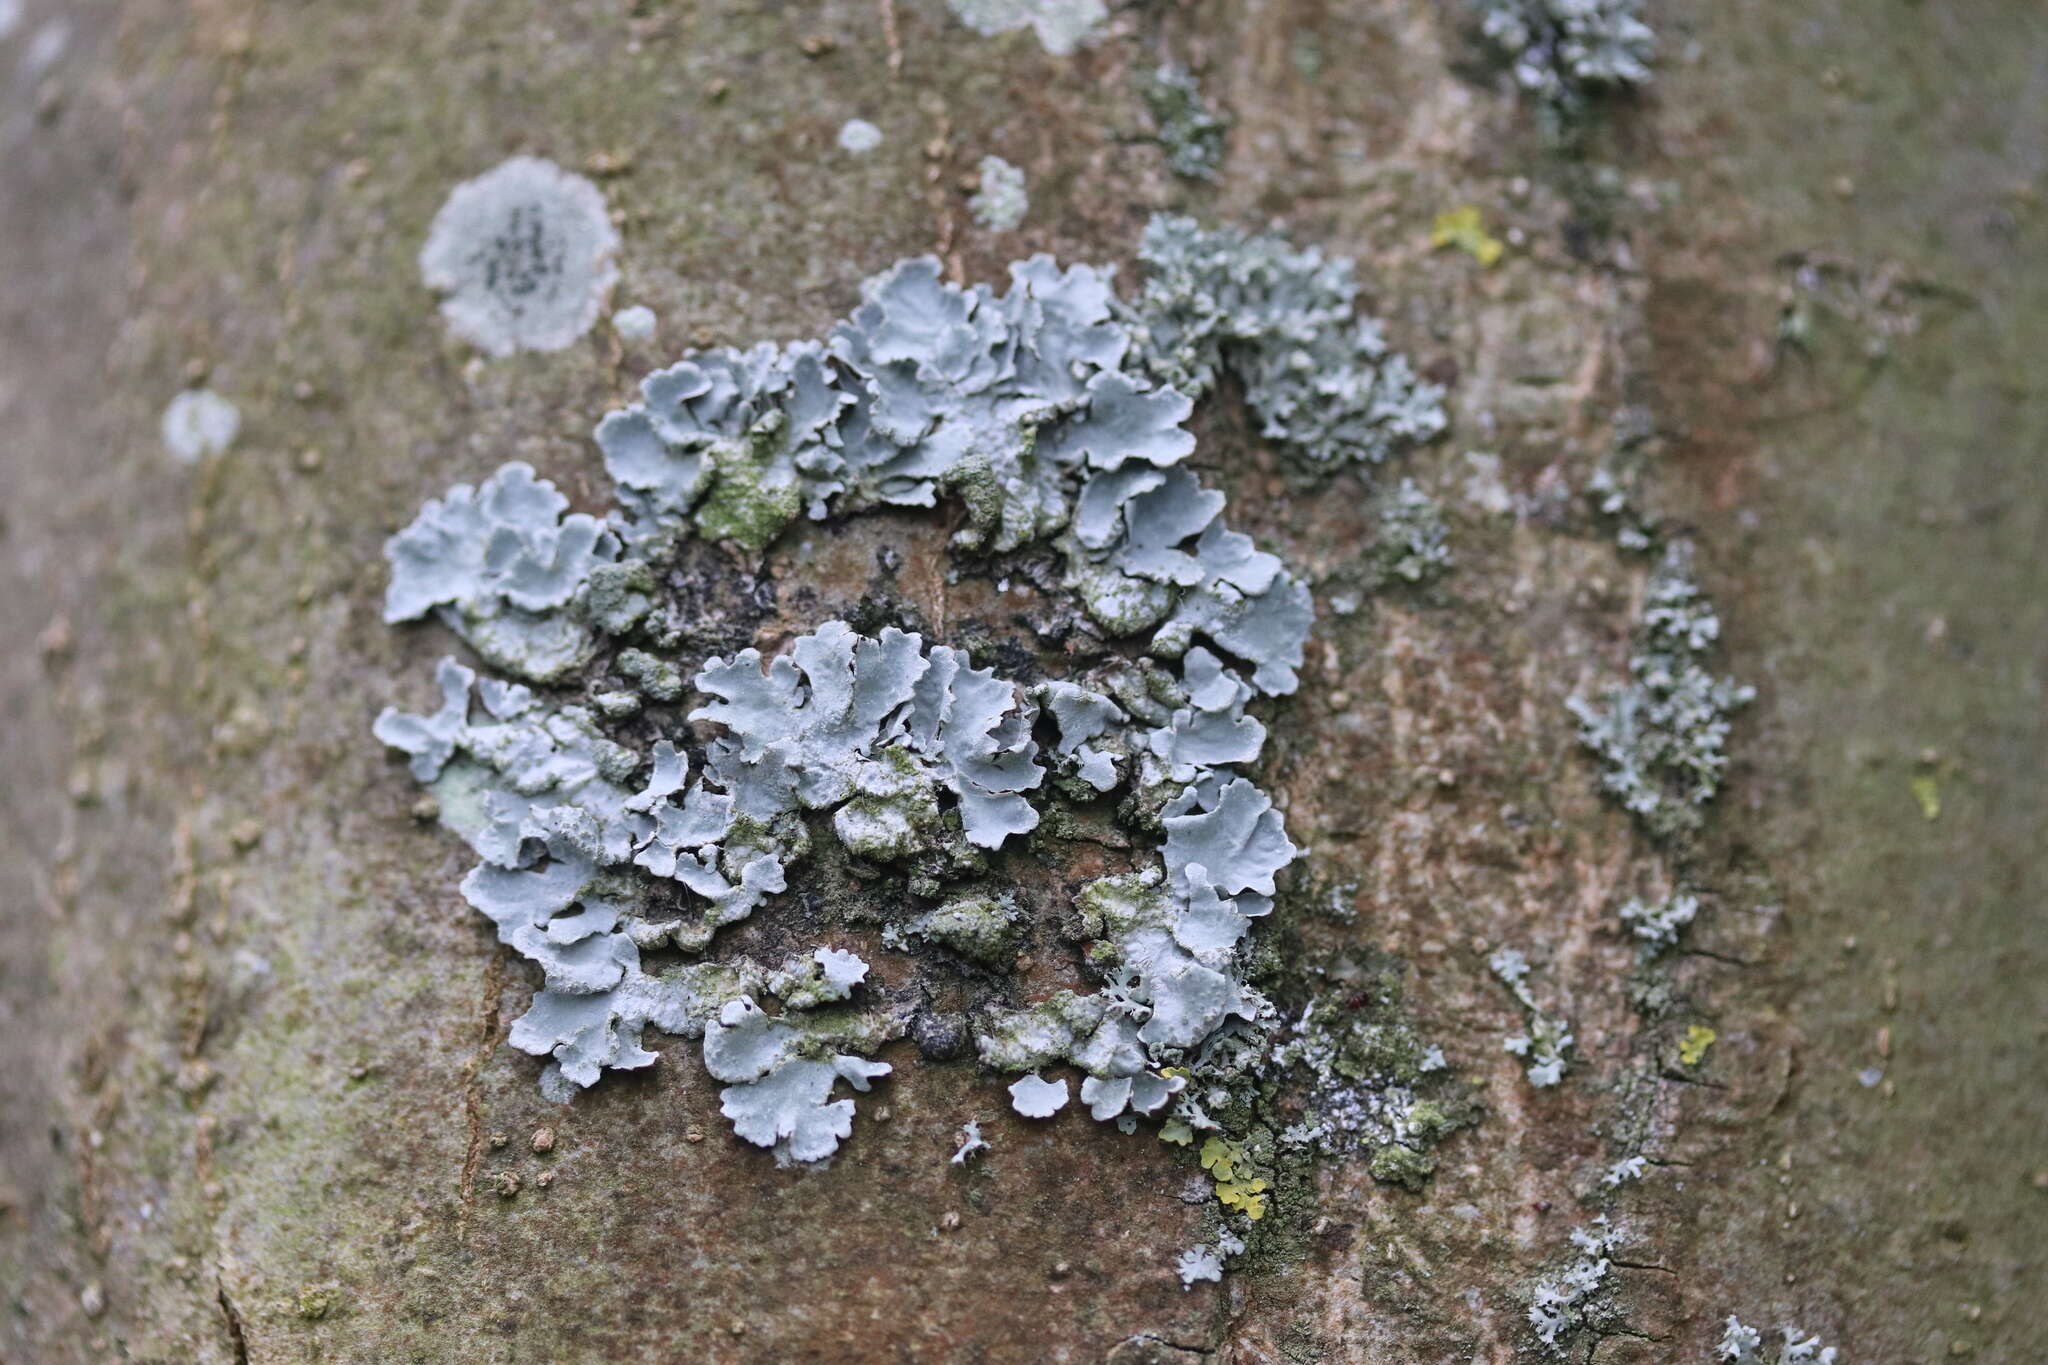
647,816
1322,381
1412,544
1660,736
1566,51
524,255
1191,132
1745,1346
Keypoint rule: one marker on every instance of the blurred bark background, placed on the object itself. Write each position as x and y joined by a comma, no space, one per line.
255,1099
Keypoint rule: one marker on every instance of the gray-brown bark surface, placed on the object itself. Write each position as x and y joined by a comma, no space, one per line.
256,1080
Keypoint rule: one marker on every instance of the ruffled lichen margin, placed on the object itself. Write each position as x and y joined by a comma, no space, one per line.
628,803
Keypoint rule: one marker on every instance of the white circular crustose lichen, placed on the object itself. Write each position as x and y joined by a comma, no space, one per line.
857,135
198,423
634,324
524,254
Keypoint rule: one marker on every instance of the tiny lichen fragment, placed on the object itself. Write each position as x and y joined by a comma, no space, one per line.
1061,25
198,423
1463,228
1191,132
524,255
827,975
1658,927
1743,1345
636,323
1545,1041
972,1143
1037,1098
1692,1049
1411,544
1001,202
857,135
1564,52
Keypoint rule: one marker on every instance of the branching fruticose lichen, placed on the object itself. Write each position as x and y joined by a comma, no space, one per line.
1660,736
1030,408
524,255
1565,51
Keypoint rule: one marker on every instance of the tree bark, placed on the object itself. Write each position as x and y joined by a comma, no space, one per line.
256,1102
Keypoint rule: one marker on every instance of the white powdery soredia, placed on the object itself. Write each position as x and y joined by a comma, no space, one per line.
523,254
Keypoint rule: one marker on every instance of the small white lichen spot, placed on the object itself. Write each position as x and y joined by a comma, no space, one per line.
1002,202
198,423
524,254
10,17
634,324
857,135
1061,25
46,46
